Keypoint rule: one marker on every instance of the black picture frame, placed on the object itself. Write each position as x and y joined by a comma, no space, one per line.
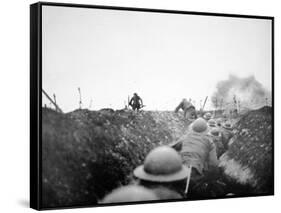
36,97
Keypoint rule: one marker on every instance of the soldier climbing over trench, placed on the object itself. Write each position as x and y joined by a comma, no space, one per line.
199,151
188,109
136,102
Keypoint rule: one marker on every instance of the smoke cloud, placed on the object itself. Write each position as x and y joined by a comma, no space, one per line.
246,93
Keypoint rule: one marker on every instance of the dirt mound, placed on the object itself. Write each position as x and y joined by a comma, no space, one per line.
249,158
86,153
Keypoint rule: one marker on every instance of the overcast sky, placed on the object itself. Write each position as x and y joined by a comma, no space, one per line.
111,54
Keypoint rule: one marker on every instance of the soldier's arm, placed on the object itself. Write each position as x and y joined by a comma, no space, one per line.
141,102
130,103
178,107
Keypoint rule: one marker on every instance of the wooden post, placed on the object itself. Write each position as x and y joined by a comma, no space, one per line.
54,103
80,99
205,102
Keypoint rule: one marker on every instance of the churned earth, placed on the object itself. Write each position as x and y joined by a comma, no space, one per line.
86,154
249,158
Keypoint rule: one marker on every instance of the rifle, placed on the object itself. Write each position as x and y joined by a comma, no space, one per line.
188,178
142,106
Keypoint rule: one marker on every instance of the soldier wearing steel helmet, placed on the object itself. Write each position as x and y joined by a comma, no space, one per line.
227,133
212,123
199,151
216,136
207,116
163,172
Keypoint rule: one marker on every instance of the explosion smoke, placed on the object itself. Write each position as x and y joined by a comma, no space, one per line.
247,92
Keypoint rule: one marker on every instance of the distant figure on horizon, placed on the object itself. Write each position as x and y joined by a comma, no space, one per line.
136,102
188,108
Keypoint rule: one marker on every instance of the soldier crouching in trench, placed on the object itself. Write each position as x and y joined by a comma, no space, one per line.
161,177
216,136
226,133
198,150
188,109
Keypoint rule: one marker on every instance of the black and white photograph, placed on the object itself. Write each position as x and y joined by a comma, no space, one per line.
146,106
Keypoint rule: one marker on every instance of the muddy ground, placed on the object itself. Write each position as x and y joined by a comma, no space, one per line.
86,153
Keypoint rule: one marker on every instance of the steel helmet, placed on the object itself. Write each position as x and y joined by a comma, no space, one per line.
227,125
199,125
162,164
207,116
165,193
212,123
130,193
219,121
215,132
